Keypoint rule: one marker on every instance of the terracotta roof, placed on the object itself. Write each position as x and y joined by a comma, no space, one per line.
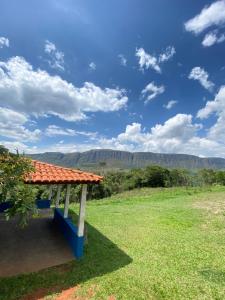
50,174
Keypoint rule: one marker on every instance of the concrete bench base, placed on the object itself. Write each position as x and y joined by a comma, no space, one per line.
69,231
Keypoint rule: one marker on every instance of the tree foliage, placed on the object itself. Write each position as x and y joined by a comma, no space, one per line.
22,197
13,167
155,176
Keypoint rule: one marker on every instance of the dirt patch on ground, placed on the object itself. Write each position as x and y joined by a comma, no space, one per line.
68,294
214,203
71,293
41,293
74,294
63,294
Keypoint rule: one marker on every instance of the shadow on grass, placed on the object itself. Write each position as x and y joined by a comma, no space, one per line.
101,256
213,275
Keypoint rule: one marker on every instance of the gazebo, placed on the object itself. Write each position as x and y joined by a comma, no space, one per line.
49,174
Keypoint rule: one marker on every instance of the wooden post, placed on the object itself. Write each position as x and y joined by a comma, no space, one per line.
58,195
66,206
50,192
80,231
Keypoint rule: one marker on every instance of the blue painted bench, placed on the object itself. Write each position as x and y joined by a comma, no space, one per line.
69,231
40,203
4,206
43,203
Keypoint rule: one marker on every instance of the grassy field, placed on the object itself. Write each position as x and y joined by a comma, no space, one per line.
143,244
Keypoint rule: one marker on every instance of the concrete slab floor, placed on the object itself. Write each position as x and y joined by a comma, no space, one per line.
38,246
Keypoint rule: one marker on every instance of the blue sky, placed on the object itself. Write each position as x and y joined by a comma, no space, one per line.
128,75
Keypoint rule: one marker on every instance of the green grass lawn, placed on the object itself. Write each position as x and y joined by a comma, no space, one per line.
143,244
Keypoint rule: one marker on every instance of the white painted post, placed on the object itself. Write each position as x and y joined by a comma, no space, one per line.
50,192
66,205
80,231
58,195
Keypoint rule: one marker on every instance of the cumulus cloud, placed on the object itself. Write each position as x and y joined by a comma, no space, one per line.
56,147
199,74
168,54
151,91
217,107
4,42
54,130
178,127
212,15
92,66
178,134
170,104
12,126
13,146
35,92
148,61
56,60
123,60
209,39
212,38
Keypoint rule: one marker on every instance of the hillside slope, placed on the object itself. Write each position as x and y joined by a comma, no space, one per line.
114,159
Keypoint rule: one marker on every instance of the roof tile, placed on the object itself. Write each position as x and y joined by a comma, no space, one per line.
50,174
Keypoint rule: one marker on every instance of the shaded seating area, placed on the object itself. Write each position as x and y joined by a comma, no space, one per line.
38,246
49,174
51,238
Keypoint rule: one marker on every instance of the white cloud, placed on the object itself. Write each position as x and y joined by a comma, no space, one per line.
178,127
212,38
213,15
54,130
65,148
56,57
217,107
56,147
4,42
35,92
131,134
12,126
15,145
178,134
168,54
198,73
147,61
92,66
209,39
170,104
123,60
151,91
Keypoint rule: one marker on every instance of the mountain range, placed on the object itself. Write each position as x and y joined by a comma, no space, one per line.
114,159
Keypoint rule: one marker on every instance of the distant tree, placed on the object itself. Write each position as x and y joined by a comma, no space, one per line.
156,176
220,177
13,167
135,178
180,177
3,150
208,176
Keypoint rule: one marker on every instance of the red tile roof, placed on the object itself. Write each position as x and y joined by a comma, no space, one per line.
50,174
